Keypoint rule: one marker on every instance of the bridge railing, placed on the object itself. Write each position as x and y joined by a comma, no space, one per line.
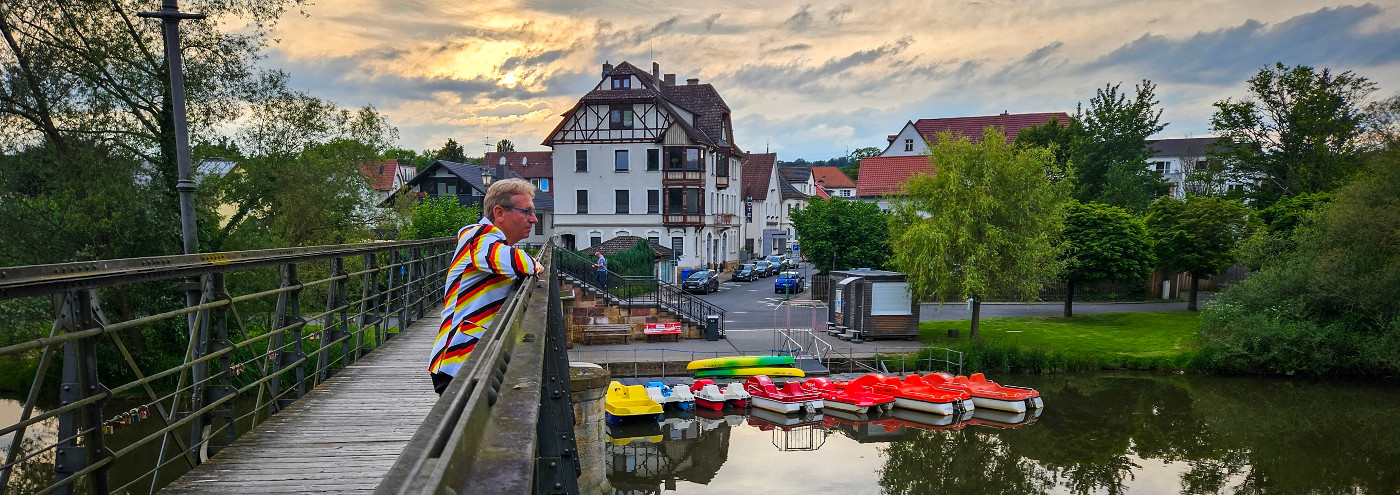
269,326
505,423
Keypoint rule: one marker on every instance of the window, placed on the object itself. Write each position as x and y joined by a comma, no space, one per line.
582,205
653,201
683,158
890,298
692,201
620,161
678,245
581,161
908,145
569,242
721,165
622,82
544,184
620,118
594,241
623,198
653,160
539,225
675,200
1161,167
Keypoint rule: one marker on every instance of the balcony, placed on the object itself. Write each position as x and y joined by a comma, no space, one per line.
721,182
725,219
684,220
697,176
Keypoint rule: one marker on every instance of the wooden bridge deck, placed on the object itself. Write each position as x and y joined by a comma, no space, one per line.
341,437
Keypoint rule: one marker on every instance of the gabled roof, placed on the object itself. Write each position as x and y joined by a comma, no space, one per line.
622,243
821,193
757,170
832,178
1182,147
796,174
701,100
972,127
786,189
529,164
472,175
884,175
380,174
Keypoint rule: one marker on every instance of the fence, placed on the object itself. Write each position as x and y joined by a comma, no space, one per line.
630,291
1103,290
254,337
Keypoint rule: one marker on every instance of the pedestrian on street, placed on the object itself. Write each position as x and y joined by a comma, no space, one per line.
486,266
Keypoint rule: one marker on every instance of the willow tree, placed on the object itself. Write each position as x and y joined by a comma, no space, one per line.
987,222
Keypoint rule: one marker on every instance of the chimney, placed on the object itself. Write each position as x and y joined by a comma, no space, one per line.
655,70
670,80
607,67
892,137
502,172
692,81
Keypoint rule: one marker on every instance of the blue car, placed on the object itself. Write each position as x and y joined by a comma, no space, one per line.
790,282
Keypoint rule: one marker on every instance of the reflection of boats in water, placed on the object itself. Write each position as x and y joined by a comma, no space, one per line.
911,418
1004,419
790,432
864,428
683,446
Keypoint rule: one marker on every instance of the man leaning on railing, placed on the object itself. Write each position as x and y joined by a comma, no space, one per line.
483,269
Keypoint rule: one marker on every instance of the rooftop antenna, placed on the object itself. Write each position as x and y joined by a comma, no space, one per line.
487,144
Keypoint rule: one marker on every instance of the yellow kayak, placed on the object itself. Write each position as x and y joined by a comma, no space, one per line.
738,362
751,372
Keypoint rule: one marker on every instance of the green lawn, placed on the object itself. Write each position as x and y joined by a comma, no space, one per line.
1148,339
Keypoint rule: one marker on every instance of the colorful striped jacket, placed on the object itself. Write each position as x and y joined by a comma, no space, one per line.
478,281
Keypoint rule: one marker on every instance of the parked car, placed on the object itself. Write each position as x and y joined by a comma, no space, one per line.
763,268
790,281
703,281
746,271
775,264
789,263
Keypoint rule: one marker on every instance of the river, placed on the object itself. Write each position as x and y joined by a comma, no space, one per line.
1098,433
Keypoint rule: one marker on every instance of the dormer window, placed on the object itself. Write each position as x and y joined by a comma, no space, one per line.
622,82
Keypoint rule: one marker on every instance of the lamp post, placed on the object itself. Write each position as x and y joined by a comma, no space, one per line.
171,16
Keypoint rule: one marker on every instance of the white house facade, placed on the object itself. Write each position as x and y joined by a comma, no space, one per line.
641,156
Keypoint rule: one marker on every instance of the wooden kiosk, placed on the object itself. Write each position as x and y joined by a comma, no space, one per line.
871,304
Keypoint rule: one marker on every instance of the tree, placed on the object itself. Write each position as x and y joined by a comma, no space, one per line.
1332,304
1196,235
1058,137
452,152
1109,153
505,146
419,160
853,170
81,74
839,234
1382,123
1298,132
439,216
1102,243
986,223
301,182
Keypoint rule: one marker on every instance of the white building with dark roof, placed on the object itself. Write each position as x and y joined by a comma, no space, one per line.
641,156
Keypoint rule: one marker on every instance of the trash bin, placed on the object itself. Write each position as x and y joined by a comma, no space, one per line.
712,327
685,273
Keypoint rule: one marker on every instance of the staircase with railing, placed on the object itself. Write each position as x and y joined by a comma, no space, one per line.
633,291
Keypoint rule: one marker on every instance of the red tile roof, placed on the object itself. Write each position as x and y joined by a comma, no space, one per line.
529,164
380,174
972,127
832,177
885,175
758,169
821,193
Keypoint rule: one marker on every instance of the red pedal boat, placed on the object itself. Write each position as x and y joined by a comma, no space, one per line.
913,393
988,394
854,400
790,398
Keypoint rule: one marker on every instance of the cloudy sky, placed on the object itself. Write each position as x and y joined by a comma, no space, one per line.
812,79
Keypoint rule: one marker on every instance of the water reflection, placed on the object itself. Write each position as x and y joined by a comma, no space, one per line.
1105,433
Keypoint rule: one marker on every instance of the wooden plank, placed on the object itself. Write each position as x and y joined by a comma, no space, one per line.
342,437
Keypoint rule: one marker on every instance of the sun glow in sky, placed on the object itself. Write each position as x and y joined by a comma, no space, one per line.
813,79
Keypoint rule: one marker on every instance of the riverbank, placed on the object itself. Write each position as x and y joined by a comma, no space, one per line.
1156,340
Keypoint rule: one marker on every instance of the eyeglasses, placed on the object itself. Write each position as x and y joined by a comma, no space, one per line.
529,212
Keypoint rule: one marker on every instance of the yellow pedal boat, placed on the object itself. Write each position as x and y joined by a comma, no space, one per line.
625,401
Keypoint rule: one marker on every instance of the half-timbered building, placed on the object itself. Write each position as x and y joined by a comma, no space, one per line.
639,155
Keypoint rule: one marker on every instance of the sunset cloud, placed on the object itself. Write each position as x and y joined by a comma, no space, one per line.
812,79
